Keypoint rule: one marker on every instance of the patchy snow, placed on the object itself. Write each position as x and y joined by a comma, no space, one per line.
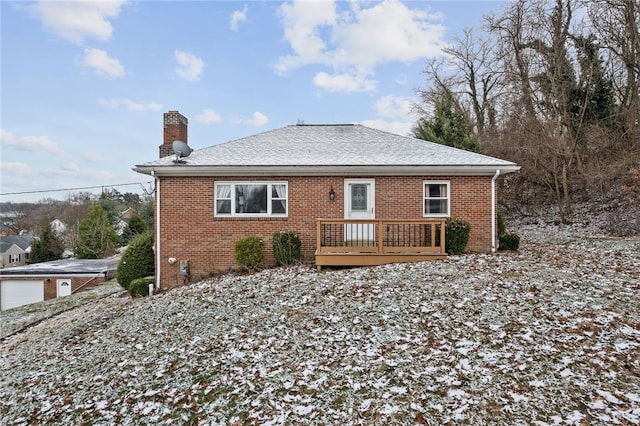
549,335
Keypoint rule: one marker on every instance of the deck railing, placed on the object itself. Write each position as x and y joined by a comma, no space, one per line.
380,236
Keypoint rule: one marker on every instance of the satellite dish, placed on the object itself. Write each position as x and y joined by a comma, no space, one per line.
181,149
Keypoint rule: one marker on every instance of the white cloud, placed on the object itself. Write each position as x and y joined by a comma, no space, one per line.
15,168
258,119
344,83
389,31
302,23
29,143
391,106
402,128
130,105
71,167
102,64
395,115
189,66
78,20
93,157
237,17
355,41
208,116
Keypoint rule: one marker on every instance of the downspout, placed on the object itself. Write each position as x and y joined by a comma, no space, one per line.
493,211
157,217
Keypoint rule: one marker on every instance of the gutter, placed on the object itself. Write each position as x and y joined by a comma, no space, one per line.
325,170
157,217
493,211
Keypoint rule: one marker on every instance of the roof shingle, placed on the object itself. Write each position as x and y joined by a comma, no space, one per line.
330,145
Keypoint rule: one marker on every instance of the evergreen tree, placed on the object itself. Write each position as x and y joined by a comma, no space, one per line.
136,226
47,247
147,212
137,261
96,237
449,126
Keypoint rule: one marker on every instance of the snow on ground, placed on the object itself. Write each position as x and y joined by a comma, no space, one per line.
16,319
549,335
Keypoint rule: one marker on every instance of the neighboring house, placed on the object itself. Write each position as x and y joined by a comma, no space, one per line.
6,228
58,227
128,214
14,250
23,285
123,221
355,196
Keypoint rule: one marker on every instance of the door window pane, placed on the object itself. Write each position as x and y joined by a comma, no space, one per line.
358,197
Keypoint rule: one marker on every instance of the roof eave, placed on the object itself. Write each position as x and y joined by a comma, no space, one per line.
374,170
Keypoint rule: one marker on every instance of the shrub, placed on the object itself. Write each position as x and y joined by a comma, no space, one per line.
509,241
502,223
506,240
139,287
137,261
249,253
456,235
286,247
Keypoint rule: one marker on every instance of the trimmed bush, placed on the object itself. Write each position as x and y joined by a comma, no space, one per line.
137,261
249,253
286,247
456,235
139,287
509,241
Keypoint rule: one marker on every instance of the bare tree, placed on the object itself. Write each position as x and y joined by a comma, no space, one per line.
475,72
617,25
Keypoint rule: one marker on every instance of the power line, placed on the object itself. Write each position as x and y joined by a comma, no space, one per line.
75,189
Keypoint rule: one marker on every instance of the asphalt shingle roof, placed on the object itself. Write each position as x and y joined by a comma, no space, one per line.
22,241
331,145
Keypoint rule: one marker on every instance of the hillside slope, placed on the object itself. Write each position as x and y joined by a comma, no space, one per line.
548,335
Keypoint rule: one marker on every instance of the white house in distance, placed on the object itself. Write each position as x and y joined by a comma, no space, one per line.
14,250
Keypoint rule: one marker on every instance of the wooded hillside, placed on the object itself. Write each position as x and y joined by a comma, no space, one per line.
554,86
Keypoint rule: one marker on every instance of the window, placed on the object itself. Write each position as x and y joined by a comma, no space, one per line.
251,198
436,198
14,258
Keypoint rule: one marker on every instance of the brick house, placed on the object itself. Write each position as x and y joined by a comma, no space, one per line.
355,196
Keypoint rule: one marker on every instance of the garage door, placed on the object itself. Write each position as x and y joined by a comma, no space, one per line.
18,293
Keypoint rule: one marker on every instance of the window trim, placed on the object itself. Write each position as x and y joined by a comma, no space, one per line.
233,213
425,197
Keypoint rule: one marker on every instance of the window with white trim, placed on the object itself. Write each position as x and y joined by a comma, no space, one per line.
14,258
437,198
251,199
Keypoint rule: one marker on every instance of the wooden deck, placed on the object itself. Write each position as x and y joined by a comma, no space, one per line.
378,242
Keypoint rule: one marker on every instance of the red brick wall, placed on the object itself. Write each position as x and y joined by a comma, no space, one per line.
191,232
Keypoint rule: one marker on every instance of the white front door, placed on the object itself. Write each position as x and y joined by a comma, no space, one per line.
64,287
359,203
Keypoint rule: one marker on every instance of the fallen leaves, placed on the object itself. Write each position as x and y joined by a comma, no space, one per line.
548,335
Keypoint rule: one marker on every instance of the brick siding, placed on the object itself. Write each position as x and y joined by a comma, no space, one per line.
190,231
